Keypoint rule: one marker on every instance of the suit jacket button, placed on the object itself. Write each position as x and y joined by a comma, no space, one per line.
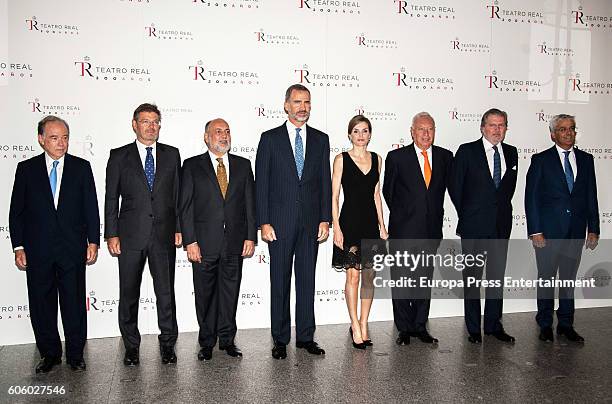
568,211
150,215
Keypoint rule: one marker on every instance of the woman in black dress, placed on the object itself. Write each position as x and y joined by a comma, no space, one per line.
357,172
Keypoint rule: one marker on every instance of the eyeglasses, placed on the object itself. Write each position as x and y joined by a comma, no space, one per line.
564,129
146,122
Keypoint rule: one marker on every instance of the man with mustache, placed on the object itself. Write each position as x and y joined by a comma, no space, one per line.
217,209
145,175
293,186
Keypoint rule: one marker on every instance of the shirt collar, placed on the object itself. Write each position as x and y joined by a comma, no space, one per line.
291,128
418,150
561,151
488,145
143,146
49,161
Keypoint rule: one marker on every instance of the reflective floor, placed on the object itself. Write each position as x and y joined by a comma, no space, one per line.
452,371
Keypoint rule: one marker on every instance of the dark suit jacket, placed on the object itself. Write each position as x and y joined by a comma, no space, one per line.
284,200
38,227
484,211
208,218
142,211
550,207
416,212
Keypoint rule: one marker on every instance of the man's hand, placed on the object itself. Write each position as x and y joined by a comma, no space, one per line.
178,239
267,233
114,245
20,260
92,253
193,253
538,240
323,231
248,248
591,241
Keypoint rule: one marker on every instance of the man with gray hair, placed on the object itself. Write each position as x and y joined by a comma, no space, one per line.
217,211
54,239
562,210
415,182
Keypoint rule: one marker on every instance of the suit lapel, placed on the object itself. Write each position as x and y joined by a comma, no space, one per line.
66,172
209,169
509,164
137,163
311,144
44,180
481,158
232,174
553,154
285,148
580,166
415,166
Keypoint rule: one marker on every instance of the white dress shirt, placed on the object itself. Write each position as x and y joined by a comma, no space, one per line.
291,130
421,159
488,147
215,164
142,151
572,159
59,171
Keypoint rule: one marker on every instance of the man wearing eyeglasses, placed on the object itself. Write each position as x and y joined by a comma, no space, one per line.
562,209
144,228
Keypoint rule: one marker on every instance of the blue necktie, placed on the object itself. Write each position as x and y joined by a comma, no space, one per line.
299,152
569,173
53,178
496,167
149,168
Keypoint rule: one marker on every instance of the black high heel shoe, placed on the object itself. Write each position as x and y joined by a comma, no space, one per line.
356,345
367,342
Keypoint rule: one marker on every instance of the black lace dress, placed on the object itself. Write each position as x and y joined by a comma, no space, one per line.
358,218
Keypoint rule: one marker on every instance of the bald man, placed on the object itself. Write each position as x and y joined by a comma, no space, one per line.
217,211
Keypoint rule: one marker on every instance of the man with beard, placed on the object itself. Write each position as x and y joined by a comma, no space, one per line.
145,175
217,210
294,210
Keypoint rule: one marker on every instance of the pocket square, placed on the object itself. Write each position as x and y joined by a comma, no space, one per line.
514,168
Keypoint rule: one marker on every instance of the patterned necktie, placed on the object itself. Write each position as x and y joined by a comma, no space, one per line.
496,167
53,178
569,172
299,152
222,176
149,168
426,169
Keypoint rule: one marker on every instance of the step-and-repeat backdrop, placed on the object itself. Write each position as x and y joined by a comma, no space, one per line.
92,62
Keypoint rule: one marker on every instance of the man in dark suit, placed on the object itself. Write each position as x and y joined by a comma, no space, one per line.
55,232
482,184
145,175
415,182
217,210
561,207
293,187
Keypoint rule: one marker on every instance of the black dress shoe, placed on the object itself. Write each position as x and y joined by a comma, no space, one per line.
570,334
403,339
205,354
77,365
502,336
46,364
279,351
356,345
232,350
167,354
131,357
475,338
312,347
425,337
546,334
